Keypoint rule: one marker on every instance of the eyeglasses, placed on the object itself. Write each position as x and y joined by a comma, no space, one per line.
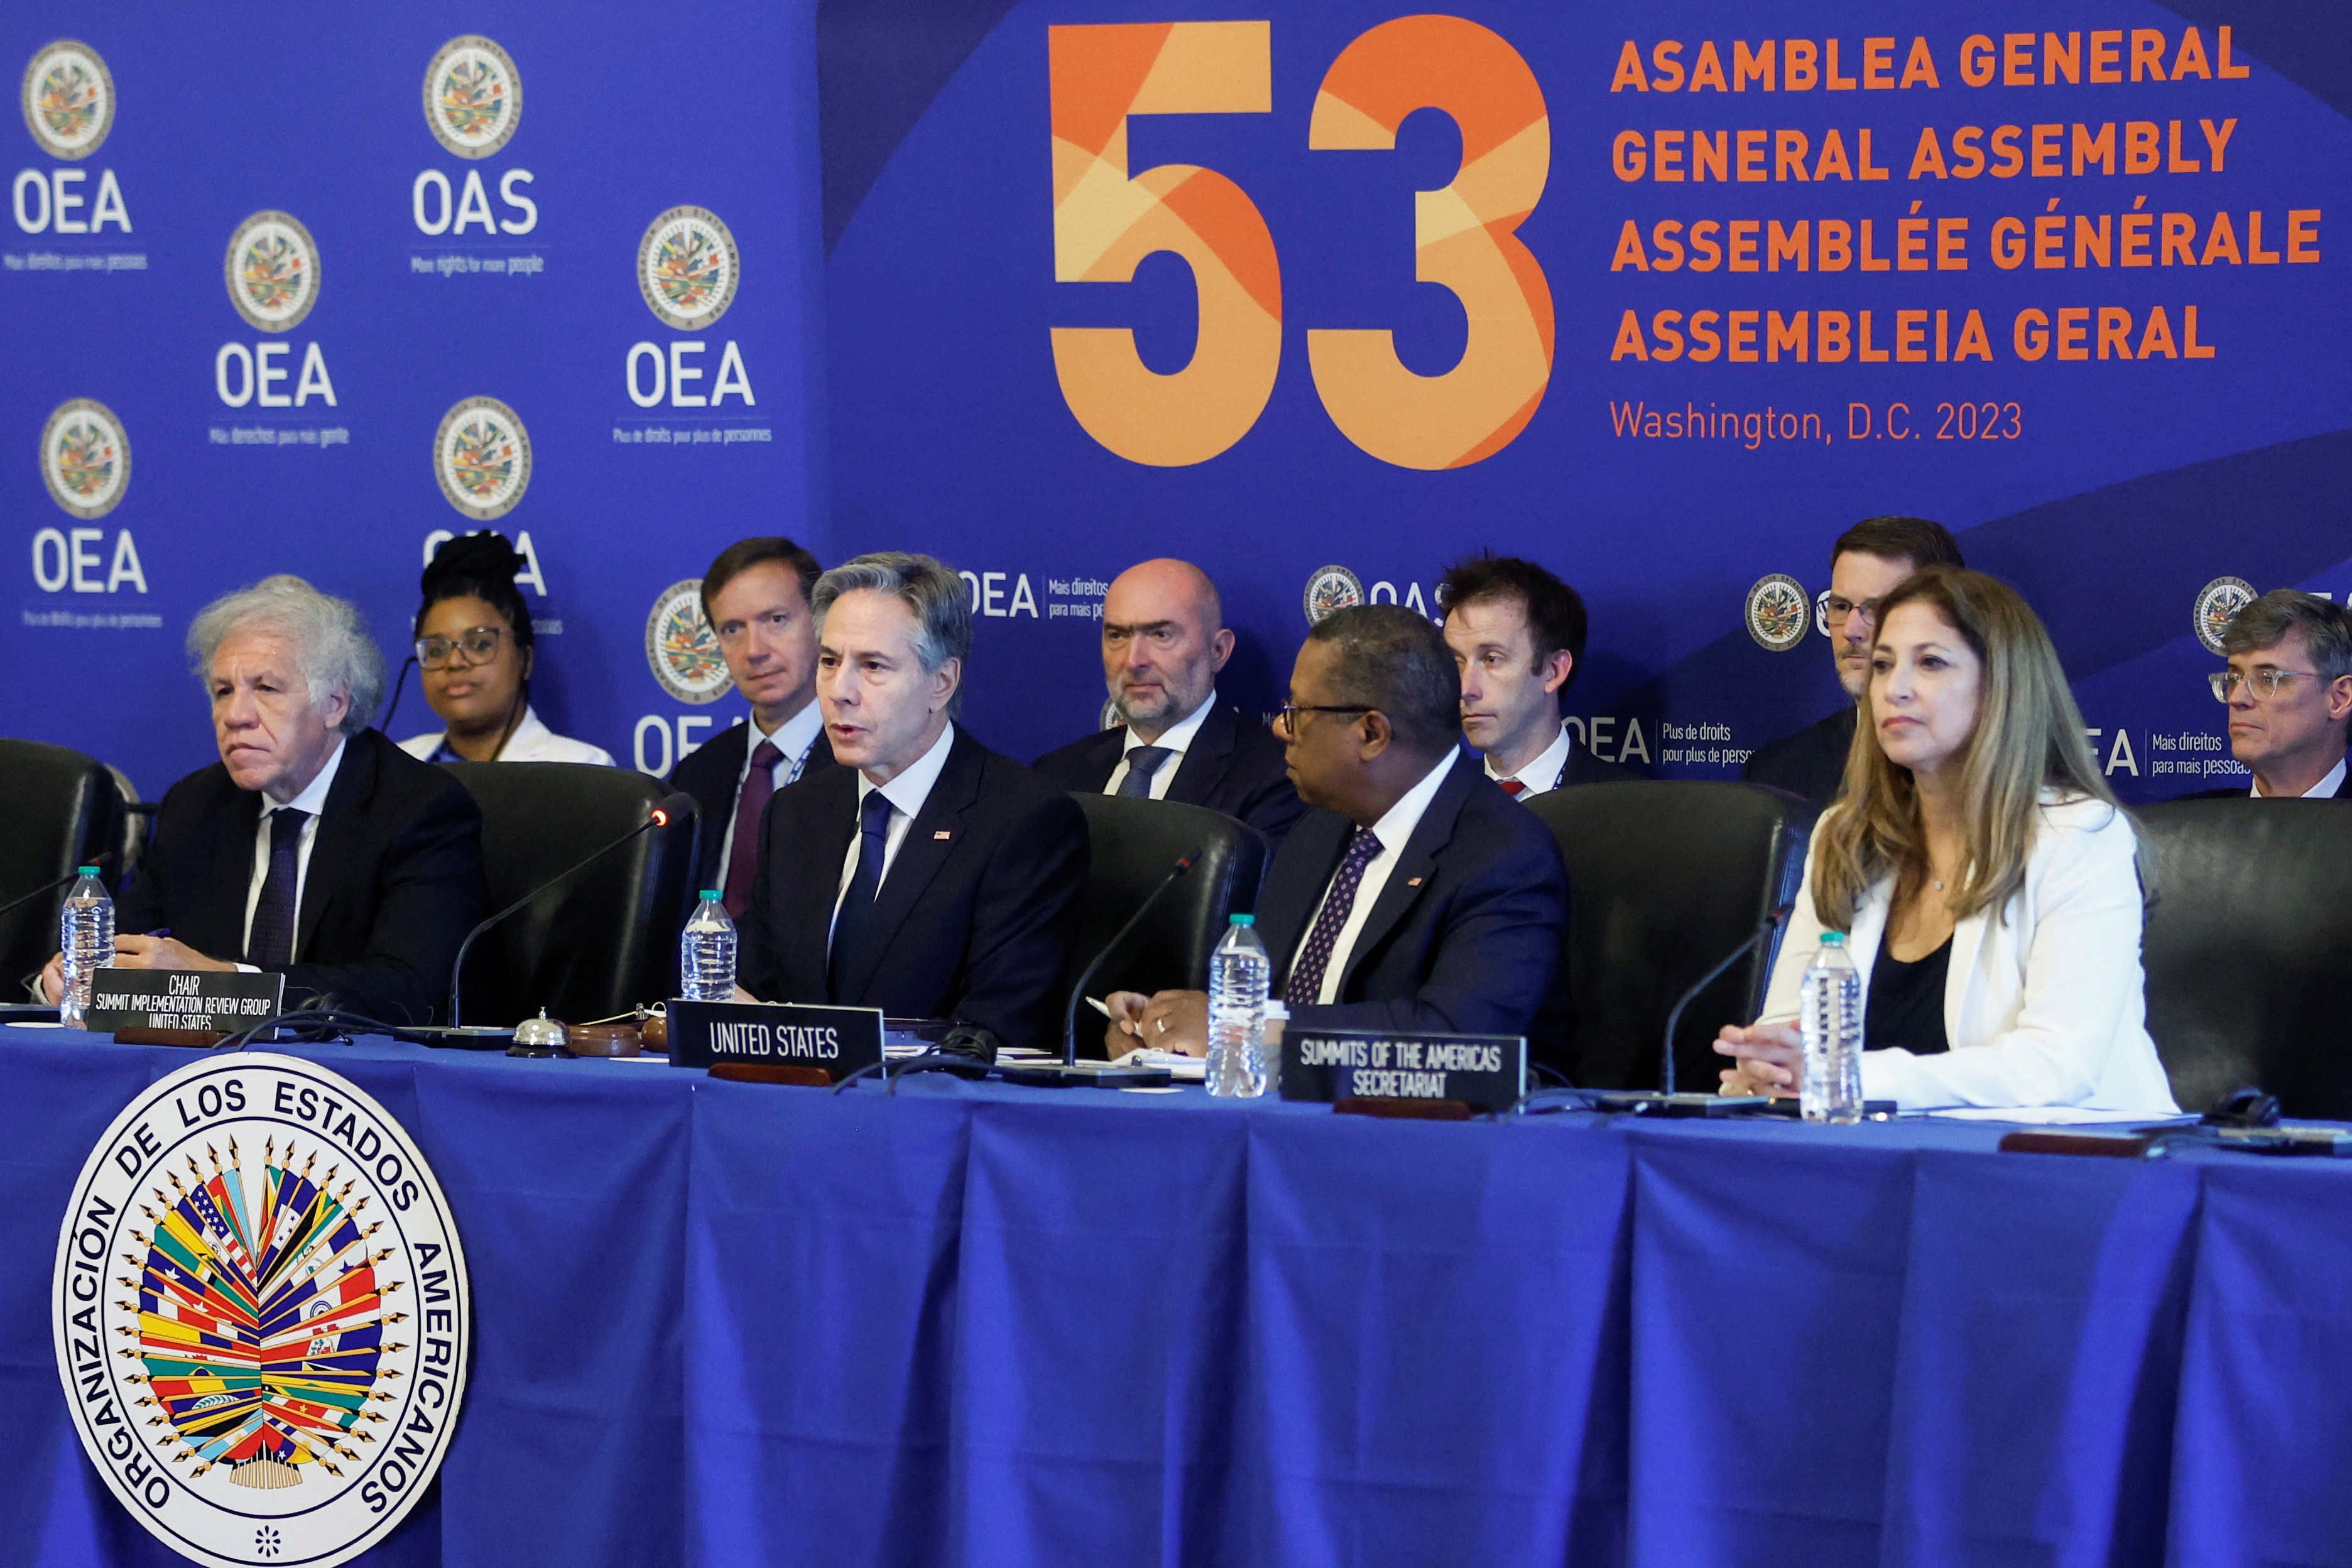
1287,716
1835,610
479,645
2266,681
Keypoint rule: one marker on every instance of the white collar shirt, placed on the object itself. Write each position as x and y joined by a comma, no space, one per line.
1176,738
907,793
1395,830
1540,776
2326,789
795,738
313,800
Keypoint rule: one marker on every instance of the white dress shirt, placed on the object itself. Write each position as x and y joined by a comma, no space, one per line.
905,794
1395,830
532,741
313,799
1175,739
1540,776
795,738
2324,789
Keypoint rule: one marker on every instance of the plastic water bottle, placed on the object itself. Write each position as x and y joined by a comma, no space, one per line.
1239,976
1830,1018
85,938
706,953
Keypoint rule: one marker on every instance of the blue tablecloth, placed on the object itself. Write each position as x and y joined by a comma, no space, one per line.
729,1325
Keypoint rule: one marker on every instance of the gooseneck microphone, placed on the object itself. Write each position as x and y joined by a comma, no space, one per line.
73,876
1079,992
1771,922
676,806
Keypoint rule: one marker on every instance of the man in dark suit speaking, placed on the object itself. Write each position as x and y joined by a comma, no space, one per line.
1164,638
314,848
1415,895
930,878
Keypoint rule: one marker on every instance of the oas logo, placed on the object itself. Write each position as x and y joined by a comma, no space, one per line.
482,457
688,267
1330,588
473,96
2218,603
68,99
273,272
84,457
261,1314
1776,610
681,650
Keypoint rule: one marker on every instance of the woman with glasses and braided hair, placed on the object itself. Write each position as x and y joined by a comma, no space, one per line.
474,644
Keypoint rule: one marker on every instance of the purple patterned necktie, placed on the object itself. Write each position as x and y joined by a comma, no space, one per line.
1305,986
743,855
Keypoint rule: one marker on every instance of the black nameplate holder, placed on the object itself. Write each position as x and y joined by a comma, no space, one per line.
1486,1072
841,1040
220,1002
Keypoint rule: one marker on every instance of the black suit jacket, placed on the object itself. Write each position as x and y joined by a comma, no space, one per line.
394,882
711,774
1232,766
973,922
1811,763
2238,791
1583,768
1470,933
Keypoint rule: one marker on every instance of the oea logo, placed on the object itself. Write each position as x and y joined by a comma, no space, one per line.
68,103
688,271
272,273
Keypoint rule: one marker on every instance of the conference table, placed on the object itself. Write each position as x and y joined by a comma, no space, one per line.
728,1323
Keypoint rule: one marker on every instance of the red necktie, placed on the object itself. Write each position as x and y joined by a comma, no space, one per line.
743,860
1510,786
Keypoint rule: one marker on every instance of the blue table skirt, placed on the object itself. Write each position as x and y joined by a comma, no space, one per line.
731,1325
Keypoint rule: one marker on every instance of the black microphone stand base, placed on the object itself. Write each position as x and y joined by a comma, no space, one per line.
1655,1103
1082,1075
463,1038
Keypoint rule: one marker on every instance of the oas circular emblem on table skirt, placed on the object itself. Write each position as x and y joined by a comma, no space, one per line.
688,267
681,648
68,99
272,271
473,96
1776,611
1330,588
84,457
2218,603
481,454
260,1307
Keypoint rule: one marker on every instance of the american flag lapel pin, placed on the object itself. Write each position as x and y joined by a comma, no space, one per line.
1412,881
941,835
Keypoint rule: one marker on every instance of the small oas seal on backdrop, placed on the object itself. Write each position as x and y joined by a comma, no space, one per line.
1330,588
688,267
1776,611
68,99
481,454
84,457
681,648
473,96
273,272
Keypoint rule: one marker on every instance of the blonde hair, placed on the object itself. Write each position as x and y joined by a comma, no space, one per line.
2028,739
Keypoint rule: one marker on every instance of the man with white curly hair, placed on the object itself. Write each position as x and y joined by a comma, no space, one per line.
315,847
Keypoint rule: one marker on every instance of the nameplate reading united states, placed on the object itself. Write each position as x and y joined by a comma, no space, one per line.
219,1001
841,1040
1487,1072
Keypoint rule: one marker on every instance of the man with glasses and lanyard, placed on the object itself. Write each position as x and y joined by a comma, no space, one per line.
2289,691
1868,561
1414,895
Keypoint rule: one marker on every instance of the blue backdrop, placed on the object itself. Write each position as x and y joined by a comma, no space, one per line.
915,193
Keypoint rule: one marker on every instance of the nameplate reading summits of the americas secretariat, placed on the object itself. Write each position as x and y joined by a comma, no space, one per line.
1486,1072
215,1001
261,1314
841,1040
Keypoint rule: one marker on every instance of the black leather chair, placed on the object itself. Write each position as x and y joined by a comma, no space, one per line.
1133,844
605,938
62,810
1666,876
2247,946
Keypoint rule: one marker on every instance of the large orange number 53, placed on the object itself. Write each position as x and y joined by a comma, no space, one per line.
1105,223
1463,235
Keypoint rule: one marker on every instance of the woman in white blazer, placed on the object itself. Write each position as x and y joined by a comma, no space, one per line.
474,644
1989,885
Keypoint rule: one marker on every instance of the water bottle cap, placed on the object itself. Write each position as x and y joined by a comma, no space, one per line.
1245,919
1832,939
89,872
710,893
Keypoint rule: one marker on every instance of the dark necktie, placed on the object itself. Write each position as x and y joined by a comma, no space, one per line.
1305,986
1511,787
743,858
1141,763
864,884
271,939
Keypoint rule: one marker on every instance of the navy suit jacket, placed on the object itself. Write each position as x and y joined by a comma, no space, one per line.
1470,933
973,922
1811,763
394,883
1232,766
711,774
